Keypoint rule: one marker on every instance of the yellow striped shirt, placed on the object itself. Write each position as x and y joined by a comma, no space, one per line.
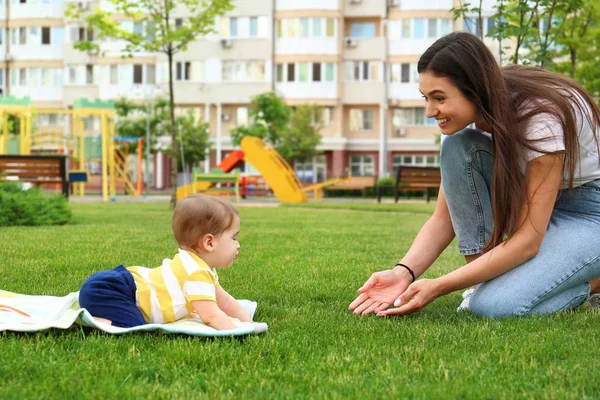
164,294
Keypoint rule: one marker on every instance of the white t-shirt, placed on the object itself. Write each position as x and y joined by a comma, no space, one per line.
548,128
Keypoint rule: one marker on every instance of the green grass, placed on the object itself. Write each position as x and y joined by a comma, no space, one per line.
303,267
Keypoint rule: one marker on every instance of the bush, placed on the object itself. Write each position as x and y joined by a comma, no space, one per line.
31,207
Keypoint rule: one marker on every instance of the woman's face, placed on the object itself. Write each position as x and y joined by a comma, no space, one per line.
444,102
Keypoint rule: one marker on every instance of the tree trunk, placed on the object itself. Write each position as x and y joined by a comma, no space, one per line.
573,62
480,21
174,147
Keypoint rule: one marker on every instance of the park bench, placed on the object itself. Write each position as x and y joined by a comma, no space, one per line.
355,183
35,169
415,179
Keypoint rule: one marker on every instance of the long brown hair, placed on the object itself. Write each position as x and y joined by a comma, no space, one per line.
507,98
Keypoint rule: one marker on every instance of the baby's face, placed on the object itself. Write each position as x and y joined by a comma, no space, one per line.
227,246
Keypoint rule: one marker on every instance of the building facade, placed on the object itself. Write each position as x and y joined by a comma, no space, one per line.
355,58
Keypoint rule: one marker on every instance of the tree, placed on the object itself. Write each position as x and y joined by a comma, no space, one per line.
269,117
300,140
159,34
465,10
294,134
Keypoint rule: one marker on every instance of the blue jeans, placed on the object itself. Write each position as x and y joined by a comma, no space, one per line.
557,278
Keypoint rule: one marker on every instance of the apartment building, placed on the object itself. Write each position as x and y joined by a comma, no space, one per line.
355,58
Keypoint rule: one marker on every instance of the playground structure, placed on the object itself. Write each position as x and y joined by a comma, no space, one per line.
72,139
81,145
275,170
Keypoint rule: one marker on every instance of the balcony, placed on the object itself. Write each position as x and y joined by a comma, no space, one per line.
404,91
232,49
363,92
327,45
227,92
38,93
364,48
36,11
365,8
430,5
37,52
74,92
312,90
282,5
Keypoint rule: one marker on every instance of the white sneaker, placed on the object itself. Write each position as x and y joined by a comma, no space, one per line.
466,298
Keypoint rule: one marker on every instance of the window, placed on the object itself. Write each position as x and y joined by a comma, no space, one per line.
404,73
291,72
330,27
491,24
362,30
242,116
138,28
316,72
472,25
410,117
317,27
72,75
361,70
150,73
1,36
233,27
89,74
406,29
243,71
178,22
22,35
280,72
303,27
419,32
137,73
291,23
45,35
1,77
114,74
432,27
46,78
22,77
327,115
34,77
329,72
280,28
303,72
362,165
412,160
361,120
182,71
445,27
253,27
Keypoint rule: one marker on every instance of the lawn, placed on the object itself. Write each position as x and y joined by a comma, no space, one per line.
303,266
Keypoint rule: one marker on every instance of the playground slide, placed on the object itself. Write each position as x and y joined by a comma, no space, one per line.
274,169
231,162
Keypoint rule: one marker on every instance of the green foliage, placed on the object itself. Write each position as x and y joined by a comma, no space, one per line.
300,140
269,117
31,207
295,134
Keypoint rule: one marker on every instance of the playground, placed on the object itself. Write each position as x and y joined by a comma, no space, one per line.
303,274
67,134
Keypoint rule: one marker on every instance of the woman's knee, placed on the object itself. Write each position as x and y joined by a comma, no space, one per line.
460,144
496,303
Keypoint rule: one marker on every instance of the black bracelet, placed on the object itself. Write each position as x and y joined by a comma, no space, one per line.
409,270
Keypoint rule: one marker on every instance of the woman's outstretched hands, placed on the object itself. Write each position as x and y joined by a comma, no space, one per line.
415,298
379,292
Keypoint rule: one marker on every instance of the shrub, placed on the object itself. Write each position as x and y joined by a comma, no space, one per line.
31,207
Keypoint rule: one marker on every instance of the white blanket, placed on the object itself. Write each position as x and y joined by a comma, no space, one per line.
23,313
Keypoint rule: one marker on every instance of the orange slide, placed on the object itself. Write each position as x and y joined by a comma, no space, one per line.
231,162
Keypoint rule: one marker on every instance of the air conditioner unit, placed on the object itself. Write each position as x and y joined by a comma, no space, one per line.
226,117
355,1
226,43
399,131
349,42
394,3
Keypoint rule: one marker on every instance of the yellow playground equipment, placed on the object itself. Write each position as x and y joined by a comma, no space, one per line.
274,169
67,133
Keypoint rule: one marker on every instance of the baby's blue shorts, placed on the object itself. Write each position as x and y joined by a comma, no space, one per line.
111,294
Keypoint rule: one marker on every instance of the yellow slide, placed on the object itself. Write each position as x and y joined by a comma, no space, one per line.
274,169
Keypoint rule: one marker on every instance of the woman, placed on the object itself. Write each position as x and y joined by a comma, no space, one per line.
521,192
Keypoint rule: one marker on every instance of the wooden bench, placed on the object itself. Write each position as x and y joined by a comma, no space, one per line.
355,183
422,179
36,169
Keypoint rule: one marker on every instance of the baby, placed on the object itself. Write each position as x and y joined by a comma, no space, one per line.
206,229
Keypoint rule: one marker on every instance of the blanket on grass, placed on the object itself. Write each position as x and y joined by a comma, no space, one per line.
23,313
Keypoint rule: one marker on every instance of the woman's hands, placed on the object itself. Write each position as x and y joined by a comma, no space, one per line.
415,298
380,291
389,287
